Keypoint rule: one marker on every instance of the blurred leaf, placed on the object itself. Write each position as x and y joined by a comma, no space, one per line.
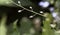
48,30
3,28
25,25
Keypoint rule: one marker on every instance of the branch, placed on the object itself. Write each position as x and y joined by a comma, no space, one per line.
26,8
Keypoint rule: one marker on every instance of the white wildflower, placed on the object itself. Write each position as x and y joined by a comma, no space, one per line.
19,11
53,25
19,2
31,16
41,11
30,7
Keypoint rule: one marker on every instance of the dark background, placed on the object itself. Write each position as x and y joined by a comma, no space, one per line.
12,11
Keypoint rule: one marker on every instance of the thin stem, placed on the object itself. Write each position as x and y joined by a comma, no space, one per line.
26,9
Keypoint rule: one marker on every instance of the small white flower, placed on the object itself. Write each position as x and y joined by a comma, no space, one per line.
19,2
30,7
53,25
19,11
31,16
44,4
41,11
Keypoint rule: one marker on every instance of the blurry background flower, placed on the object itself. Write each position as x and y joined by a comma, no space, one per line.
43,4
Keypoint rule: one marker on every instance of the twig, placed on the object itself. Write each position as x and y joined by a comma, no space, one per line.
26,8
